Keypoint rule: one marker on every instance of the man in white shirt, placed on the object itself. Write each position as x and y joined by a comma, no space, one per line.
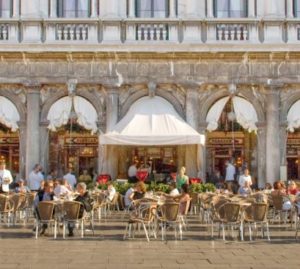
111,191
70,178
245,178
230,172
61,189
132,173
173,190
35,178
5,177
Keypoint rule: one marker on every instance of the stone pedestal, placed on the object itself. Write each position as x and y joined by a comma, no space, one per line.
272,134
33,129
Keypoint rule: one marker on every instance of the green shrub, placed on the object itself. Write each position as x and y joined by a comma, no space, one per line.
202,187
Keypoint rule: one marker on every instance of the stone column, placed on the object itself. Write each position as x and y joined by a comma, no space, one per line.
33,126
131,9
44,148
22,149
53,8
172,8
289,8
210,9
272,134
283,136
251,8
192,154
16,9
94,7
112,110
261,155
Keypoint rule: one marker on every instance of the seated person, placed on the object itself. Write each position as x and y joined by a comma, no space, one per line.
111,191
127,200
61,189
21,187
279,189
173,190
86,203
246,189
292,188
139,191
85,177
46,194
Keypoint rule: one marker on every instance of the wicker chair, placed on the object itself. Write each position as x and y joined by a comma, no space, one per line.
144,215
45,210
297,226
195,203
184,208
168,215
71,211
18,200
257,214
205,206
277,201
6,209
232,218
100,205
217,212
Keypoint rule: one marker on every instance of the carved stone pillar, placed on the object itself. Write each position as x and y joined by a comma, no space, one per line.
44,146
261,155
210,9
251,8
22,149
289,8
131,9
112,110
16,8
33,126
53,8
283,137
172,8
192,151
272,134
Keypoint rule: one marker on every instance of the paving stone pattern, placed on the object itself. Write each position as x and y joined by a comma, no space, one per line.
107,249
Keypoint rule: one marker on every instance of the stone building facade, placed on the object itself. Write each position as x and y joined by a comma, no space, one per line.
192,56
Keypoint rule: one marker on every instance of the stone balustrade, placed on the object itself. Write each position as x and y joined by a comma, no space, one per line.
4,31
72,32
152,32
232,32
134,30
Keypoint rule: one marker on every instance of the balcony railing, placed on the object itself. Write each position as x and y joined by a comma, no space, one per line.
71,31
232,32
4,31
152,32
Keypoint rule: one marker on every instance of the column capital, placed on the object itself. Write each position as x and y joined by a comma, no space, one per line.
32,86
111,89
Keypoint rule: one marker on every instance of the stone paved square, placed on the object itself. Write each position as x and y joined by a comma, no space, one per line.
107,249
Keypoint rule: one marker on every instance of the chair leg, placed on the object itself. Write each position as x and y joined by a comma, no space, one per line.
268,231
82,230
146,232
223,231
55,230
64,230
250,232
36,230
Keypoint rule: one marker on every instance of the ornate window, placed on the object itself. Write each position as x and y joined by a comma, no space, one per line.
5,8
297,8
73,8
152,8
230,8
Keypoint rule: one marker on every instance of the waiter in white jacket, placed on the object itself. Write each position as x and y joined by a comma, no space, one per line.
5,178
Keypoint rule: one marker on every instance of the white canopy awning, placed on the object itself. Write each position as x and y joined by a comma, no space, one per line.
152,121
59,113
244,111
9,115
293,117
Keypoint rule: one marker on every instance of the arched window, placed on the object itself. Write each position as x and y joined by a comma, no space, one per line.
73,8
230,8
152,8
5,8
297,8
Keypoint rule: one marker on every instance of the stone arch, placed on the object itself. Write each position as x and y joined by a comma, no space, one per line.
287,104
208,103
89,96
144,92
17,102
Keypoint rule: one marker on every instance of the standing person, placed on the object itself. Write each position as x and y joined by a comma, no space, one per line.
229,178
52,175
35,178
71,179
5,178
132,170
181,178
